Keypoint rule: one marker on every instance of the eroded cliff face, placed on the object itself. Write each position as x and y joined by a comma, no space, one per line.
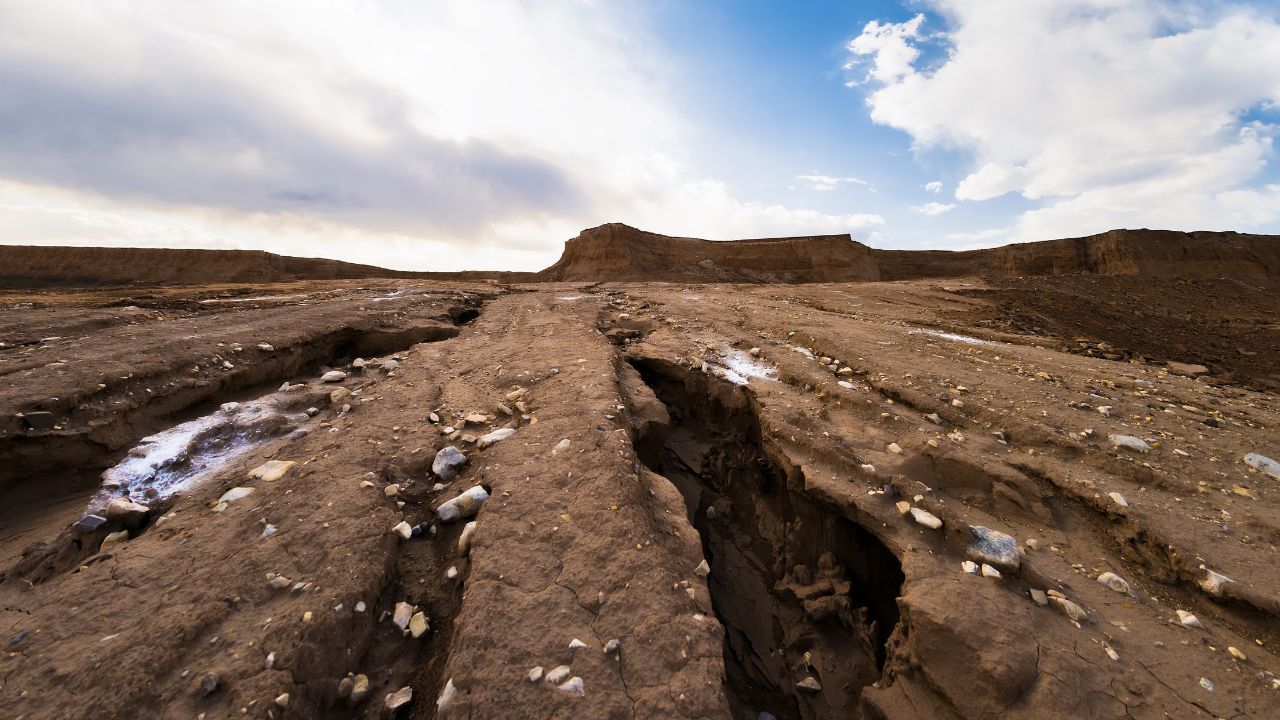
620,252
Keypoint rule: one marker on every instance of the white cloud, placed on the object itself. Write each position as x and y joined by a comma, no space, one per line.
1110,112
829,182
441,135
934,187
933,208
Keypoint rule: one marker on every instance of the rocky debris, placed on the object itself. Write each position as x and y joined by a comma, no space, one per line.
230,496
1118,499
1213,583
496,436
403,529
112,538
925,518
333,376
464,505
447,693
573,686
399,699
448,463
229,408
1189,620
1129,442
464,538
1115,583
1066,607
534,674
1263,464
127,513
994,548
403,613
418,625
612,646
703,569
1038,596
810,684
282,700
271,470
988,571
558,674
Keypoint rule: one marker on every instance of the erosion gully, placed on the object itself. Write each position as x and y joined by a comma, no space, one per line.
807,597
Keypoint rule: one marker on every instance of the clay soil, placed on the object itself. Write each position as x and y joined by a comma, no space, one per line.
731,519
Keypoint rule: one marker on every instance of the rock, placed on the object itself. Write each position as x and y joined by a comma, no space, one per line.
611,646
464,505
903,507
925,518
448,463
809,684
266,347
333,376
113,538
1129,442
434,419
573,686
895,448
229,407
127,513
359,688
576,644
562,445
402,615
390,365
535,674
1038,597
1104,410
1068,608
994,548
359,363
558,674
451,573
1187,369
404,696
464,539
1263,464
391,490
933,418
209,683
493,437
754,352
1207,684
988,571
1116,583
1236,653
1189,620
282,700
345,686
969,566
337,397
39,420
279,582
403,529
1118,499
1213,582
270,662
271,470
231,496
703,569
418,625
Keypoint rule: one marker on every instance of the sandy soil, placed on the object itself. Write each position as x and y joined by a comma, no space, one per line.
694,515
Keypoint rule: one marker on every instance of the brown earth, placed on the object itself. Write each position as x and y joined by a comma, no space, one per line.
635,458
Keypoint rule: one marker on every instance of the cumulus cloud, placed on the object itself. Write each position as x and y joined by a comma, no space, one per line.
1111,113
933,208
435,135
934,187
829,182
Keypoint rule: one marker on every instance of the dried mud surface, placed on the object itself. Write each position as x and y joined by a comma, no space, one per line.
718,529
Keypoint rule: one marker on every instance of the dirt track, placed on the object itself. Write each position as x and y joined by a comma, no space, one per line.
787,486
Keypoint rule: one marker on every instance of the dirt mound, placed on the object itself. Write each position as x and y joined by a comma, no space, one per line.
1152,253
617,252
37,266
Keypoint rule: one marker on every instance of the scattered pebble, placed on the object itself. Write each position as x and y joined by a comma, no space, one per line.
403,529
1189,620
1116,583
333,376
925,518
994,548
535,674
404,696
448,463
558,674
465,505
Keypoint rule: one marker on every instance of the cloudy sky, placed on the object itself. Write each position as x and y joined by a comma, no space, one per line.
442,134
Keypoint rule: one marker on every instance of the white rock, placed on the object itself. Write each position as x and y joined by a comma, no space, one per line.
333,376
464,540
1118,499
611,646
402,615
1213,582
1207,684
969,566
1129,442
448,462
895,448
1115,582
1111,653
234,494
403,697
703,569
562,445
576,644
810,684
465,505
271,470
572,686
535,674
418,625
451,573
282,700
496,436
1263,464
1189,620
403,529
1068,608
558,674
229,407
988,571
925,518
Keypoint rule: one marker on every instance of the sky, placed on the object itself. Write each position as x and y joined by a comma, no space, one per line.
481,134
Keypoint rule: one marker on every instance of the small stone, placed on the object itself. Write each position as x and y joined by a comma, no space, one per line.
1236,653
333,376
464,539
269,662
448,463
282,700
232,495
360,606
925,518
1038,597
754,352
209,683
113,538
229,407
359,688
279,582
562,445
994,548
464,505
345,686
418,625
359,363
934,418
308,616
1115,582
895,448
402,697
88,524
1263,464
403,529
558,674
573,686
271,470
1214,582
126,512
403,613
1115,656
810,684
496,436
433,418
1068,608
903,507
535,674
1105,410
391,490
611,646
1129,442
576,644
988,571
1118,499
266,347
1207,684
1187,369
1189,620
703,569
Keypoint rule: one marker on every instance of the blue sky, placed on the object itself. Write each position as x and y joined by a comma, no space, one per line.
455,134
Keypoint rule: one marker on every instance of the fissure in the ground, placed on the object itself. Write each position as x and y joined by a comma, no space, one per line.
807,597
